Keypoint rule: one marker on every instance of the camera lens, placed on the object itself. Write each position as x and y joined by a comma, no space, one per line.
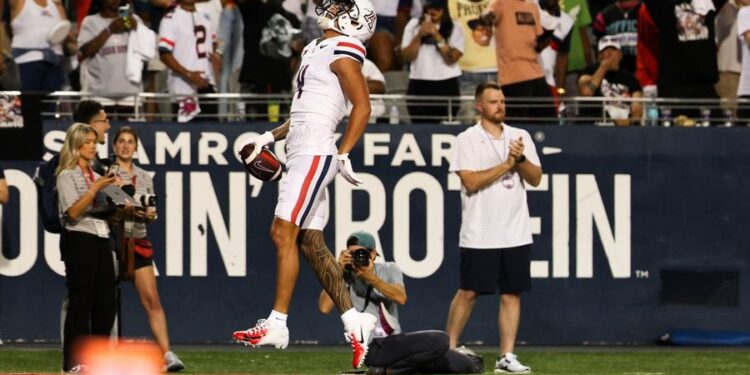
361,258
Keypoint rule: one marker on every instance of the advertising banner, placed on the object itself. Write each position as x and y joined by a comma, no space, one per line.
636,231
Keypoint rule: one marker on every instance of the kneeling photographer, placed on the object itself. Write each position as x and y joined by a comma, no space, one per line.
137,254
378,289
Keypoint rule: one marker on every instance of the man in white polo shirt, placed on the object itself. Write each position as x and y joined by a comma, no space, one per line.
494,162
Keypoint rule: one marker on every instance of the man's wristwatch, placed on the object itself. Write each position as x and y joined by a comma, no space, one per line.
521,159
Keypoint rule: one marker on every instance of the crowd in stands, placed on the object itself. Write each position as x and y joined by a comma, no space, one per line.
553,49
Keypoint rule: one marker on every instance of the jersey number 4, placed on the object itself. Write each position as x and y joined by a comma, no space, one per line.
301,79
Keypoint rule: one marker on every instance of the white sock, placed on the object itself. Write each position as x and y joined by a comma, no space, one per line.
348,315
278,319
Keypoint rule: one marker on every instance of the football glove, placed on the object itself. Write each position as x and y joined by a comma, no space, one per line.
259,142
346,171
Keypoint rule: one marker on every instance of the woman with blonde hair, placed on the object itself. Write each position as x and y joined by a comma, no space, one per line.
84,243
125,145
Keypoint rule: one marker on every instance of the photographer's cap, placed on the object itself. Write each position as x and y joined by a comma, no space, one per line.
361,238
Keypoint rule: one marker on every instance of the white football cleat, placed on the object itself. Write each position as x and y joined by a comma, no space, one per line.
264,333
358,334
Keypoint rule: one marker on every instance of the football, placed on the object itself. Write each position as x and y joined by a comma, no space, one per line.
265,167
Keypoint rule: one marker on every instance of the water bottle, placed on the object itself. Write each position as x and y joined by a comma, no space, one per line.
273,111
652,110
652,114
728,117
393,117
705,117
562,113
240,111
666,117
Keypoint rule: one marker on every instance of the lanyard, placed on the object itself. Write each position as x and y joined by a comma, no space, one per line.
506,179
503,140
86,180
90,176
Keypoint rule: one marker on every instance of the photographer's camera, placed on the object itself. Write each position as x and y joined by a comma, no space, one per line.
146,200
361,257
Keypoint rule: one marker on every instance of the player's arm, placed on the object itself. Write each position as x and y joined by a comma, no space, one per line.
474,181
325,303
280,132
264,140
352,81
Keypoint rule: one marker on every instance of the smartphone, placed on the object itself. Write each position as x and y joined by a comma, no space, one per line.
113,169
123,11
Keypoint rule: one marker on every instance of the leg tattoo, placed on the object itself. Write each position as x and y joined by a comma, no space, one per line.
324,265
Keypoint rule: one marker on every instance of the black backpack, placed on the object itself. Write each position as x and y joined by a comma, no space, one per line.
46,187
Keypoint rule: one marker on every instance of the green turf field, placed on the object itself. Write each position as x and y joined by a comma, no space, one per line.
542,361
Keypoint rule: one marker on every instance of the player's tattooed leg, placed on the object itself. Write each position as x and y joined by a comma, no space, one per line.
313,247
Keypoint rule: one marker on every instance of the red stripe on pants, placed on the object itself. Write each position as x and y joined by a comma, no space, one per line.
305,187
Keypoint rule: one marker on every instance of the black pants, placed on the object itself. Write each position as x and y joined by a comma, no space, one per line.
423,352
435,111
527,111
90,279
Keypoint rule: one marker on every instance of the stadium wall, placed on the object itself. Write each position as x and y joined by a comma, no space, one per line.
637,231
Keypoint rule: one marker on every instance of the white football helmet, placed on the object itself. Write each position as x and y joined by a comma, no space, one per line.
354,18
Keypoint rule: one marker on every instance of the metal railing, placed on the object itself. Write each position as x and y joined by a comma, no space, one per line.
393,108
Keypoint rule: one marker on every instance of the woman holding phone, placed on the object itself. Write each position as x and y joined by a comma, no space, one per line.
433,44
140,183
89,266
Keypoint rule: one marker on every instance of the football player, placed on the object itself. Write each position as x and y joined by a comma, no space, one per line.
330,74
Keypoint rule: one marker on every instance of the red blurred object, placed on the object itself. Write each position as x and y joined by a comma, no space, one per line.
103,357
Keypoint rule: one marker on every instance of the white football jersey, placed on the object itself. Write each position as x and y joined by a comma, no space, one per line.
190,37
319,103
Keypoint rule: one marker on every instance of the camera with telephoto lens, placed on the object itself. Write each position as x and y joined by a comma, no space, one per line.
146,200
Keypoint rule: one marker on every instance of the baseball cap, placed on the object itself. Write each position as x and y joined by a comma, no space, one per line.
607,42
361,238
